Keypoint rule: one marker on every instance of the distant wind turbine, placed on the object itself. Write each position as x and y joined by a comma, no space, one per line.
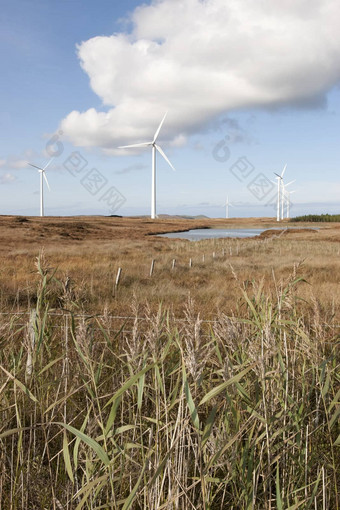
279,188
287,197
42,177
227,205
154,148
284,194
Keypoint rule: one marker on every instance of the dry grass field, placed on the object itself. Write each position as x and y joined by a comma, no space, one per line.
217,388
89,252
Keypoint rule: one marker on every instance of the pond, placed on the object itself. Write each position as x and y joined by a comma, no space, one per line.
206,233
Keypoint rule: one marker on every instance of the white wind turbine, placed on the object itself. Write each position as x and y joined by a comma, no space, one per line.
284,194
227,205
155,148
288,193
42,177
279,187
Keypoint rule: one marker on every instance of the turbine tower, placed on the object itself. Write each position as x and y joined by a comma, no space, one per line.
284,196
227,205
288,193
155,148
42,177
279,187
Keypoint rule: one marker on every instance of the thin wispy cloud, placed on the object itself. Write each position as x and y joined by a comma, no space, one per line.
7,178
236,133
131,168
18,162
201,59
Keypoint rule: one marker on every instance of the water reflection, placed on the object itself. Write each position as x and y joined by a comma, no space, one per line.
202,233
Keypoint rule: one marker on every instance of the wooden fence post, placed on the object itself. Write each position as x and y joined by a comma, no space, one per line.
30,344
119,272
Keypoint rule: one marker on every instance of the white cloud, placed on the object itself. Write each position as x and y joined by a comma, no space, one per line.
202,58
18,162
7,178
13,163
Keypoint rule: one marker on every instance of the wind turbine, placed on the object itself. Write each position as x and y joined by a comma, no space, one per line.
288,193
155,148
279,185
284,196
42,177
227,205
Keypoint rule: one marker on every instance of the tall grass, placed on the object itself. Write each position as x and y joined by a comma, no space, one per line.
161,413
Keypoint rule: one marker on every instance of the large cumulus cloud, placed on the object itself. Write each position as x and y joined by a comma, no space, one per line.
202,58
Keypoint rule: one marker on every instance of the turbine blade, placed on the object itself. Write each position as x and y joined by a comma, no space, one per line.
144,144
291,182
35,166
159,128
283,171
49,189
278,176
164,156
48,164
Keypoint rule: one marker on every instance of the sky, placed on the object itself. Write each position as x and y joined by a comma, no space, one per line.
248,88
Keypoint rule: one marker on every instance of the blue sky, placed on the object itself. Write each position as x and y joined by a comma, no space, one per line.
257,83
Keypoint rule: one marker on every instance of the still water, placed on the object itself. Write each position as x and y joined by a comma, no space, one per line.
204,233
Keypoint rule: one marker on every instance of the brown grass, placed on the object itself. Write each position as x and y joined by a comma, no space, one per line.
89,251
165,410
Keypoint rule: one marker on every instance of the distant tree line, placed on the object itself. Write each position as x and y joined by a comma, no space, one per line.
318,218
